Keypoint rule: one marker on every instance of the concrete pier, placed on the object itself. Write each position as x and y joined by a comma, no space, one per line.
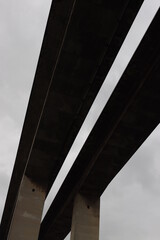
28,211
85,219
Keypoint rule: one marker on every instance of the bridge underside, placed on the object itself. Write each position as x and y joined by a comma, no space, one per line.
129,117
80,44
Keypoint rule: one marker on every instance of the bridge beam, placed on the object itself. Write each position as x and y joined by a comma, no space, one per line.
85,218
128,118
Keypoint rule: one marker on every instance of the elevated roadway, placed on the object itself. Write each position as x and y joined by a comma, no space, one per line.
81,41
128,118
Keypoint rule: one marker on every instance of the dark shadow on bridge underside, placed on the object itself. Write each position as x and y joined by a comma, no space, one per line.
80,44
129,117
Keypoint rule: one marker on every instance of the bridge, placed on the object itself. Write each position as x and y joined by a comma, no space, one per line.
81,41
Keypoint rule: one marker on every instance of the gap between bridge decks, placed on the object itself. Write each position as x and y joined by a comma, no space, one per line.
129,46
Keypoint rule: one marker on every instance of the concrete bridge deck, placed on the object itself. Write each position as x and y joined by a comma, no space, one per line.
80,44
129,117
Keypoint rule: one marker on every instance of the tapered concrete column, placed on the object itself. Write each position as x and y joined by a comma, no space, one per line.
85,219
28,212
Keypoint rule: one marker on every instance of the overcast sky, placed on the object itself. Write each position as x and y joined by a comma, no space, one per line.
130,206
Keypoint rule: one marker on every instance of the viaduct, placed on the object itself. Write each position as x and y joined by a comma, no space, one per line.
81,41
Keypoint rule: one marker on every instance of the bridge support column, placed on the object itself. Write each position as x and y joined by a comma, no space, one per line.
28,211
85,219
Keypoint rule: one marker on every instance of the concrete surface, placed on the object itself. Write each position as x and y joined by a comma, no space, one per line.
81,41
85,218
128,118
